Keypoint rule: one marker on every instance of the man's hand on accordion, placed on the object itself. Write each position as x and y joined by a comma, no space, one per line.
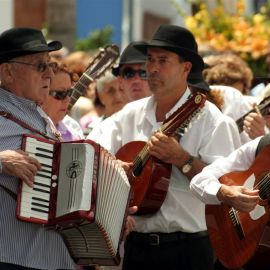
19,164
130,222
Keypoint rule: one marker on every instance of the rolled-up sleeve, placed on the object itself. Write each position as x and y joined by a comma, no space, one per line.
205,185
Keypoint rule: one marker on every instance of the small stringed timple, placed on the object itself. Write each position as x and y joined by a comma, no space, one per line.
263,107
102,62
243,238
149,177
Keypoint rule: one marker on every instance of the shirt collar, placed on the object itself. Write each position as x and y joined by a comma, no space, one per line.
150,108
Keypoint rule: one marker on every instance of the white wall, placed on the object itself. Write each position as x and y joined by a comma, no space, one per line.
162,8
6,14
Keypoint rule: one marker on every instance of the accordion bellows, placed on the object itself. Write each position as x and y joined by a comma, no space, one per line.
83,192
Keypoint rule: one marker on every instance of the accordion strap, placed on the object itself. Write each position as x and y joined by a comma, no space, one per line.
11,193
25,125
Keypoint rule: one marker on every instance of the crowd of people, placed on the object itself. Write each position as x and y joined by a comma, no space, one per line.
130,103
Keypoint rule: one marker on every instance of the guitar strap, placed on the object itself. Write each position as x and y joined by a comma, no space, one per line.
264,141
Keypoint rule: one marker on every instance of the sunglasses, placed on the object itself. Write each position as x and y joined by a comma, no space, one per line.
61,94
40,67
130,73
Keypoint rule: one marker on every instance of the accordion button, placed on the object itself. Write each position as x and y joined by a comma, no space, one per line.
54,177
54,185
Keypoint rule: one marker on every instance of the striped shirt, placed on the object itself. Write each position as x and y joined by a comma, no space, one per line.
23,243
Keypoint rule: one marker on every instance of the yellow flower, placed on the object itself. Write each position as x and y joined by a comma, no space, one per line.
247,36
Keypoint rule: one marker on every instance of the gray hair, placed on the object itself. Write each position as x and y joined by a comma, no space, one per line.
107,78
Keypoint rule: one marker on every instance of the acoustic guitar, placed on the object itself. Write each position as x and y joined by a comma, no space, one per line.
243,238
263,107
102,62
149,176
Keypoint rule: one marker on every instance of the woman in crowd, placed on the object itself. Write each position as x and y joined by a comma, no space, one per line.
57,102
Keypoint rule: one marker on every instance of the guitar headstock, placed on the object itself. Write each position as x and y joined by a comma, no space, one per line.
102,62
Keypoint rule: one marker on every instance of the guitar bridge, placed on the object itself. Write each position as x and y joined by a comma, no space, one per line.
236,223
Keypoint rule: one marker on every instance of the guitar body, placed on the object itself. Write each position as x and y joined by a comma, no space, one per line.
249,242
150,187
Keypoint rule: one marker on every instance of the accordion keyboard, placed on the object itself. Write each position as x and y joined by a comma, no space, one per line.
35,200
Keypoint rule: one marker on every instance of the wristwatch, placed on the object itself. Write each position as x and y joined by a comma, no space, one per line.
186,168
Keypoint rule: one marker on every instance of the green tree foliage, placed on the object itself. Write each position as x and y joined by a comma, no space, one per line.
95,40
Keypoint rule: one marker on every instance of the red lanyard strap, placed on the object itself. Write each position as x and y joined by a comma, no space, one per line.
25,125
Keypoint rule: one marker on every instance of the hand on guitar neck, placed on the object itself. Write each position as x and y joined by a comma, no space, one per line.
168,149
254,125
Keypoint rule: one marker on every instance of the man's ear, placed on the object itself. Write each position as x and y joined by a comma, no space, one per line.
5,73
187,66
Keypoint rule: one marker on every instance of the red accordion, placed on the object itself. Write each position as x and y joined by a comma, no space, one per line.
83,192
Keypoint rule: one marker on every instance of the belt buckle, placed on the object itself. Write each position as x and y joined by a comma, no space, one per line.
154,239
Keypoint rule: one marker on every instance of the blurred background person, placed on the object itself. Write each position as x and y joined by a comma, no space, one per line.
58,100
110,95
132,74
231,76
228,69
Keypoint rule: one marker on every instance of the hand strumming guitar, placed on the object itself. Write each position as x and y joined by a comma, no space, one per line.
239,197
168,149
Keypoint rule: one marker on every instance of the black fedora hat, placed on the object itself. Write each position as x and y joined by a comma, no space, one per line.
130,55
24,41
176,39
196,80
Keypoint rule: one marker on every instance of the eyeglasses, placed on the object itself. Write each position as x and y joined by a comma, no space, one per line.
41,67
130,73
61,94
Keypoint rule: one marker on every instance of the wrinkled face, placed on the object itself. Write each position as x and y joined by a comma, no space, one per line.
112,97
167,73
29,77
58,99
133,80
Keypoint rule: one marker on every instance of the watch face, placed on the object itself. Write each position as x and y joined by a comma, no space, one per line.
186,168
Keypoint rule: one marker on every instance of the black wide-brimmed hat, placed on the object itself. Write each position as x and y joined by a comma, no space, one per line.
176,39
196,80
24,41
130,55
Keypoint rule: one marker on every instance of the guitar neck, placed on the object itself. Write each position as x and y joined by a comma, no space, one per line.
177,122
101,63
263,107
79,89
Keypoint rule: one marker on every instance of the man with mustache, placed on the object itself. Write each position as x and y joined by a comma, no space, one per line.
175,236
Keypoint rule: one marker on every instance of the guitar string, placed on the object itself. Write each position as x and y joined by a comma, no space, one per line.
144,153
261,106
79,82
263,183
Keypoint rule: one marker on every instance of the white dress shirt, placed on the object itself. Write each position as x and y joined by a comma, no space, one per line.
236,105
205,185
211,136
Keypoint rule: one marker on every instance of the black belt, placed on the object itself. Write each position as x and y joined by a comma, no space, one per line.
155,239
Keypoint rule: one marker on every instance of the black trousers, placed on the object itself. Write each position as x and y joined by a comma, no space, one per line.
177,251
9,266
